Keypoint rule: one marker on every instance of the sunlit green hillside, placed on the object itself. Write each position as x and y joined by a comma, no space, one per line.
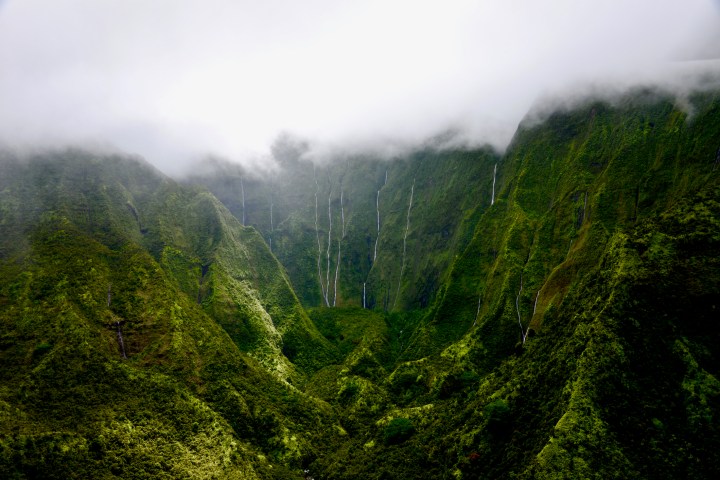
548,312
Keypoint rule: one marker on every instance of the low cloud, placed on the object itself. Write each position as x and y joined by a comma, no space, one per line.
175,80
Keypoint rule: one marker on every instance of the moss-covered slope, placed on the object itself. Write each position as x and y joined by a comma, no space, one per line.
126,302
601,251
553,314
361,231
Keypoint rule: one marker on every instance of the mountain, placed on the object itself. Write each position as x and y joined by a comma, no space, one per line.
361,231
145,332
548,312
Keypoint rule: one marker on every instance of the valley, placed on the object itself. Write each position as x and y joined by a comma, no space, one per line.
545,312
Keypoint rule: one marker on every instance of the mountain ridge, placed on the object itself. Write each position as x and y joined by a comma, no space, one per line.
541,314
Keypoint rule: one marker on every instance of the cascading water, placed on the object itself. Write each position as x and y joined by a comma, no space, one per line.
377,208
342,213
120,340
317,235
477,314
337,271
377,237
407,229
517,307
492,199
342,237
329,245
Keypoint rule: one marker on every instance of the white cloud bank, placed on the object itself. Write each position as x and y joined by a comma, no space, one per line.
173,79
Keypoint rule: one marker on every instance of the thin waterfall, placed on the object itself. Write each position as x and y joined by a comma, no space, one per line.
492,199
120,340
317,236
377,208
337,271
342,237
364,304
477,314
407,229
329,245
517,307
536,300
342,213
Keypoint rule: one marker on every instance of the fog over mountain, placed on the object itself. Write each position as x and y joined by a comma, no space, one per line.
176,80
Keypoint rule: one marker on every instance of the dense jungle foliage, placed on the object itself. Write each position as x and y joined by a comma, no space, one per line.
550,312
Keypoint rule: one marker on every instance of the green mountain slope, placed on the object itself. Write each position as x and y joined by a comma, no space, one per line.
565,187
615,305
547,313
347,232
144,331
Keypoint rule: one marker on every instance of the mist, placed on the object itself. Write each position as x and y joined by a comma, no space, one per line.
174,81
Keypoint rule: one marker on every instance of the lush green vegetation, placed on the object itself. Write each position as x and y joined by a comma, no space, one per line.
568,330
449,192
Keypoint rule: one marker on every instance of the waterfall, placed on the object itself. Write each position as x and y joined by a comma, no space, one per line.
364,305
517,307
329,245
342,213
337,270
407,229
386,176
477,314
536,299
342,237
317,236
120,340
377,208
492,199
109,295
242,193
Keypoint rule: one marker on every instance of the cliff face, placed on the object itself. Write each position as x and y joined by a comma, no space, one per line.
548,312
347,232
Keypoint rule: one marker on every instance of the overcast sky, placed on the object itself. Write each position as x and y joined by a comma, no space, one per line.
172,79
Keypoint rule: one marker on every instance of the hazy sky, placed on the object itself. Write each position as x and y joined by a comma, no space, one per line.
170,79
